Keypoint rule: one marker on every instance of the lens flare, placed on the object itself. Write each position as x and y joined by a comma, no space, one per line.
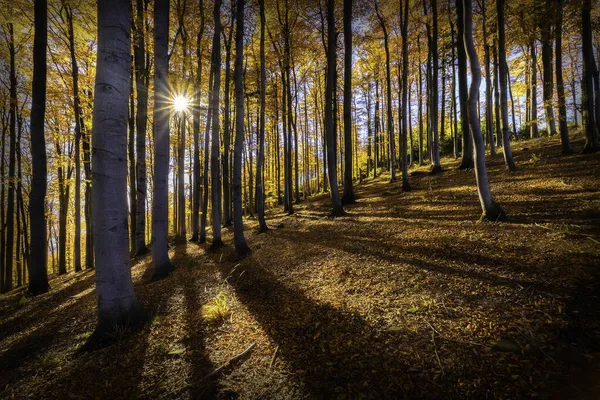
180,103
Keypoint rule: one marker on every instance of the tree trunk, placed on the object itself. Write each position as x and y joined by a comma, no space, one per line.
160,205
227,126
117,304
215,172
260,189
589,67
405,102
141,120
467,145
241,247
534,130
435,146
349,196
336,202
38,275
491,210
489,124
508,159
548,73
560,86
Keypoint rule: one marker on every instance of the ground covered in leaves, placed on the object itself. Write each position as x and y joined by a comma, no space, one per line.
406,297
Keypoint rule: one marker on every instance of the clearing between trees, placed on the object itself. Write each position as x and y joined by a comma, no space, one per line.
407,296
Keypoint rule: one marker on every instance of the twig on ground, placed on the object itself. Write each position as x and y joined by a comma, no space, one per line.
274,356
229,363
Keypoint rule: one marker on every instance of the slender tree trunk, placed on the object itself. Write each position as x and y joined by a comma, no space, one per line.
117,304
215,172
548,73
38,275
589,67
205,176
260,189
336,202
489,124
508,159
141,120
160,205
227,127
131,154
435,146
491,210
241,247
467,161
534,130
560,86
405,102
349,196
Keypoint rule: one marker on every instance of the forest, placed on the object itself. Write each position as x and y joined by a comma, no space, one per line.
296,199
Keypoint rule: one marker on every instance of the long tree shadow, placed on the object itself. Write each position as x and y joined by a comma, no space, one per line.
335,353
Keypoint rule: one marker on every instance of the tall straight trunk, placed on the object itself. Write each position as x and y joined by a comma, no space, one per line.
117,304
131,154
388,84
497,115
241,247
488,87
2,194
548,73
10,208
560,86
330,87
204,215
534,130
512,102
376,137
369,131
141,119
160,205
38,275
574,63
454,108
181,229
260,189
491,210
420,106
589,67
405,102
410,128
227,126
502,68
467,161
78,128
196,185
435,146
349,196
63,208
215,172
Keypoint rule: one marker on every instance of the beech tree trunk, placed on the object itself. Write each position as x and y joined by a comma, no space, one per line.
589,67
260,189
467,161
117,304
160,205
38,275
491,210
560,86
405,103
349,196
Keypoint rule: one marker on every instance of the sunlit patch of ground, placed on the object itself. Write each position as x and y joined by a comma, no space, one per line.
407,296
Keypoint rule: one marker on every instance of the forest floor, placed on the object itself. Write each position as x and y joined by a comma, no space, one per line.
408,296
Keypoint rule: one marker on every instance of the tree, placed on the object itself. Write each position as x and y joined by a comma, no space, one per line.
215,171
548,77
508,159
348,197
160,205
463,93
534,130
241,247
405,105
435,147
560,86
38,276
141,120
589,68
491,210
336,201
260,189
489,125
117,305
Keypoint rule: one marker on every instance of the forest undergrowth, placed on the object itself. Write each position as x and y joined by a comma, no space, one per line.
407,296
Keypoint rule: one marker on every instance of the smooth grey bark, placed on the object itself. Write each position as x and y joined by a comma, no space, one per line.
117,305
241,247
388,81
141,120
160,205
196,185
205,177
589,68
215,170
489,124
534,130
560,86
405,102
260,189
502,67
227,123
38,254
467,161
433,108
491,210
336,202
548,73
349,196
